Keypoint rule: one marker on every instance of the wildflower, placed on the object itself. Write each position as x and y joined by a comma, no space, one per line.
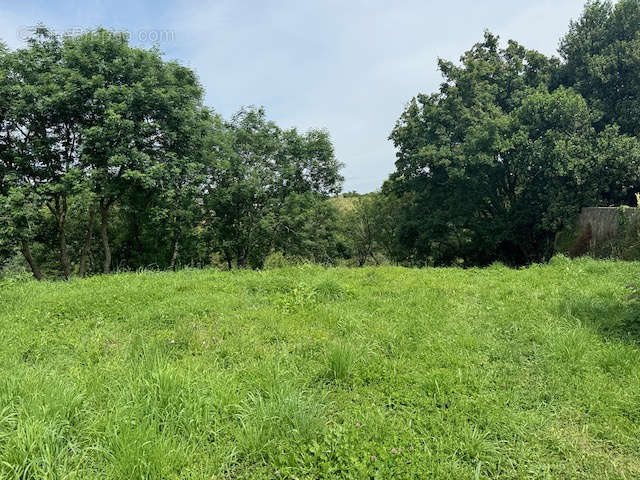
394,451
358,424
373,458
277,472
172,342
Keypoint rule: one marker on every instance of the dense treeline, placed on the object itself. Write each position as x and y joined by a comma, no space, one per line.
109,159
103,141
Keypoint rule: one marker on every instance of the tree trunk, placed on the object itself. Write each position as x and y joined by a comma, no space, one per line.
134,250
104,233
64,254
33,264
373,256
88,238
176,248
242,258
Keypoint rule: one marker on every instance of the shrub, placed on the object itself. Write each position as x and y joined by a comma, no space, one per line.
278,260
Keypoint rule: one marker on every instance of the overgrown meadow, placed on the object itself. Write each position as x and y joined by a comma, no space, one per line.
308,372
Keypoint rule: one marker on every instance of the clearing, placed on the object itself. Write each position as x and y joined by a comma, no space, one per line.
313,373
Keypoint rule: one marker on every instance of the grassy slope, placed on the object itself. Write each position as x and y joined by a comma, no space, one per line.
203,374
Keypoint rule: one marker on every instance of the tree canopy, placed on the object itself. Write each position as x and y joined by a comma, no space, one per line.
514,143
98,136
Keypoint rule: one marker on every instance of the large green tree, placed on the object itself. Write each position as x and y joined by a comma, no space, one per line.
184,177
500,159
143,123
41,131
91,121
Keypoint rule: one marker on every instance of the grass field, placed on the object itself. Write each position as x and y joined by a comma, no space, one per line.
324,373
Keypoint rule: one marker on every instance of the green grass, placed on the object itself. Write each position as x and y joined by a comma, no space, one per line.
324,373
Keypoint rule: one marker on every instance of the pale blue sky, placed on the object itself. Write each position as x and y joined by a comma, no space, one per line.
347,66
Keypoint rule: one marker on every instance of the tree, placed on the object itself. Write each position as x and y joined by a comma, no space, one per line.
93,121
41,130
142,131
601,61
244,187
305,226
258,168
184,175
126,90
498,161
19,216
97,135
363,229
369,227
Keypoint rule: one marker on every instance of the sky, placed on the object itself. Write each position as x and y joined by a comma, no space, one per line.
347,66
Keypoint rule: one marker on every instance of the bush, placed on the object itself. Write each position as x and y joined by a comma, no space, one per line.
278,260
14,266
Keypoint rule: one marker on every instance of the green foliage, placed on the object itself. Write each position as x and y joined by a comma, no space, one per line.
367,228
268,192
600,54
503,157
109,159
380,372
99,138
278,260
305,225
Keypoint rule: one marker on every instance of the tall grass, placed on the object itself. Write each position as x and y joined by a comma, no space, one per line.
305,372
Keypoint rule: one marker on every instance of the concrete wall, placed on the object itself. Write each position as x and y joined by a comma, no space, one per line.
602,232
